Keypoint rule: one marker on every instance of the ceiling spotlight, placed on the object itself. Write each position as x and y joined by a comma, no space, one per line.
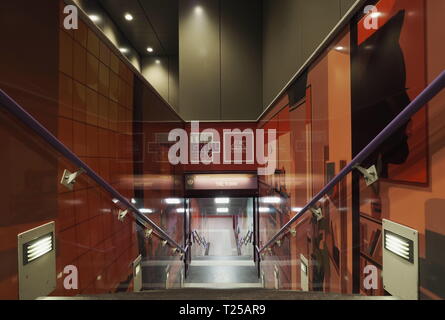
123,50
339,48
133,201
128,17
150,49
172,201
222,200
222,210
271,200
94,18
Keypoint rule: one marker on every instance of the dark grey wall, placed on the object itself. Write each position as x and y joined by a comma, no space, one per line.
292,30
162,73
220,65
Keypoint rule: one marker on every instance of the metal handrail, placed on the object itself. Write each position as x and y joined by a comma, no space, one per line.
422,99
13,107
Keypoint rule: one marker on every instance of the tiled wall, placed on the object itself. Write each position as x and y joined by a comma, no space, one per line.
95,121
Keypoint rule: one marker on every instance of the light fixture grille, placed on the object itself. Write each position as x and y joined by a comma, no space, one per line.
400,246
37,248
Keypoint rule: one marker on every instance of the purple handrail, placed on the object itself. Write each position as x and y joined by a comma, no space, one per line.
12,106
428,94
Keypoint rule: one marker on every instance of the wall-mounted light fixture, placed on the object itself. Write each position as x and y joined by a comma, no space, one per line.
137,274
304,273
400,260
37,262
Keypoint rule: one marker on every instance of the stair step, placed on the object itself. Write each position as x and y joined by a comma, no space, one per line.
223,294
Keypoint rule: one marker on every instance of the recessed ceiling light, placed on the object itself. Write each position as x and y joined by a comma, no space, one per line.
123,50
222,200
150,49
94,18
128,17
271,200
173,201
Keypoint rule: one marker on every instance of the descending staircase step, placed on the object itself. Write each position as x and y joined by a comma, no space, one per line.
223,294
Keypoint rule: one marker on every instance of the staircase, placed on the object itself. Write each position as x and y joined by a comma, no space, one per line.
194,294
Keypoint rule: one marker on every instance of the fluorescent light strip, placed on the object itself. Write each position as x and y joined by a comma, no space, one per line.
222,210
36,249
399,246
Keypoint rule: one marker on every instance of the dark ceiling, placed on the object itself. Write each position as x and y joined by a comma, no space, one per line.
155,24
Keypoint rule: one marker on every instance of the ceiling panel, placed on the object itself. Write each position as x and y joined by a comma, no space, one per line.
154,24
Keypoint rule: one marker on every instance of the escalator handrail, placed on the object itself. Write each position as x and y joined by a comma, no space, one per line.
28,120
419,102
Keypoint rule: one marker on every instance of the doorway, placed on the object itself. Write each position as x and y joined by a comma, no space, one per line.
222,237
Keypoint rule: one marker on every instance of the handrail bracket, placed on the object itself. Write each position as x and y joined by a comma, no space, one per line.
69,178
148,233
318,213
122,214
371,176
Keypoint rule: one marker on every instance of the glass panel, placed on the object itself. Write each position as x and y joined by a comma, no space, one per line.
313,254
